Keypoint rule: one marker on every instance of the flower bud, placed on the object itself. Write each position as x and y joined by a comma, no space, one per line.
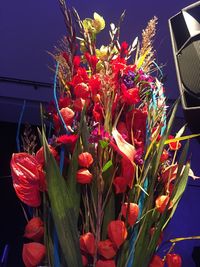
83,176
117,232
34,229
106,249
85,159
33,254
87,243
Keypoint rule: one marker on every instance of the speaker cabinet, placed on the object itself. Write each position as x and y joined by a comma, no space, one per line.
185,38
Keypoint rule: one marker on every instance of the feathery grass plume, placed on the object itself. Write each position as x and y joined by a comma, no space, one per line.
29,140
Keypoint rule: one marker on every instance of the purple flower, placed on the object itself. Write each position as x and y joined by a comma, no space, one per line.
128,79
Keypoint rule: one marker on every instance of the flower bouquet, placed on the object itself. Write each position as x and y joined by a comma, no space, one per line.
109,176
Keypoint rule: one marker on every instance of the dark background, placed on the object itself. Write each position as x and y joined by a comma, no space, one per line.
28,30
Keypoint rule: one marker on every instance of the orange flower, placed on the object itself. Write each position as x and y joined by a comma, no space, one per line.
85,159
33,254
106,249
83,176
107,263
117,232
132,210
34,229
68,115
120,184
169,173
173,260
87,243
162,202
156,262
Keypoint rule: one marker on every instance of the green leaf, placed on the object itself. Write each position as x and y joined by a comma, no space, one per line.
107,166
103,143
63,212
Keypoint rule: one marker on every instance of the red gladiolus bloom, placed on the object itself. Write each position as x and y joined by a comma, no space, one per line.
124,49
82,90
80,77
64,102
133,211
84,260
130,96
156,262
33,254
79,104
120,184
68,115
85,159
87,243
83,176
34,229
174,145
97,112
117,232
173,260
95,85
162,202
26,178
106,249
76,62
92,60
105,263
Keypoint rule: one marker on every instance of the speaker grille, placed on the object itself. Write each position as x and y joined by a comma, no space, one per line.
189,65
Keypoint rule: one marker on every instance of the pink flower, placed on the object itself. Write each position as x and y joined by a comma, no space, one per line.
68,115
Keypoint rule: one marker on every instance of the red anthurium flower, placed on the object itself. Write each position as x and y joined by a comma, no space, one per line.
117,232
68,115
125,149
105,263
87,243
83,176
33,254
128,171
174,145
173,260
34,229
156,262
82,90
84,260
131,211
120,184
40,154
26,178
162,202
106,249
169,173
85,159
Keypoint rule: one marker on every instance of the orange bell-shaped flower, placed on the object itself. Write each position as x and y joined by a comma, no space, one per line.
162,202
68,115
106,249
87,243
131,211
105,263
156,262
33,254
83,176
173,260
85,159
117,232
34,229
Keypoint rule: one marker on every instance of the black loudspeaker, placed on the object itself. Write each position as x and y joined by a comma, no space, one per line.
185,37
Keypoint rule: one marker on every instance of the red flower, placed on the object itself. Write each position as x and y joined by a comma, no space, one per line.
122,129
64,102
173,260
130,96
40,154
85,159
79,104
82,90
124,49
164,156
117,232
106,249
107,263
87,243
67,139
92,60
97,112
133,211
80,77
84,260
83,176
174,145
76,62
26,178
33,254
169,173
128,171
34,229
156,262
120,184
162,202
68,115
95,85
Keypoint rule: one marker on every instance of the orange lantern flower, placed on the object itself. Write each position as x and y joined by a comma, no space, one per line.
33,254
117,232
34,229
173,260
120,184
156,262
162,202
83,176
68,115
85,159
131,211
84,260
87,243
106,249
105,263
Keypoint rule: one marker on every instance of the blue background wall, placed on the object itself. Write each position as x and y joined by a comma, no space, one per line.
28,29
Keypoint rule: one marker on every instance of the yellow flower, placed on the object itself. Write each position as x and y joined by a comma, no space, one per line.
98,22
